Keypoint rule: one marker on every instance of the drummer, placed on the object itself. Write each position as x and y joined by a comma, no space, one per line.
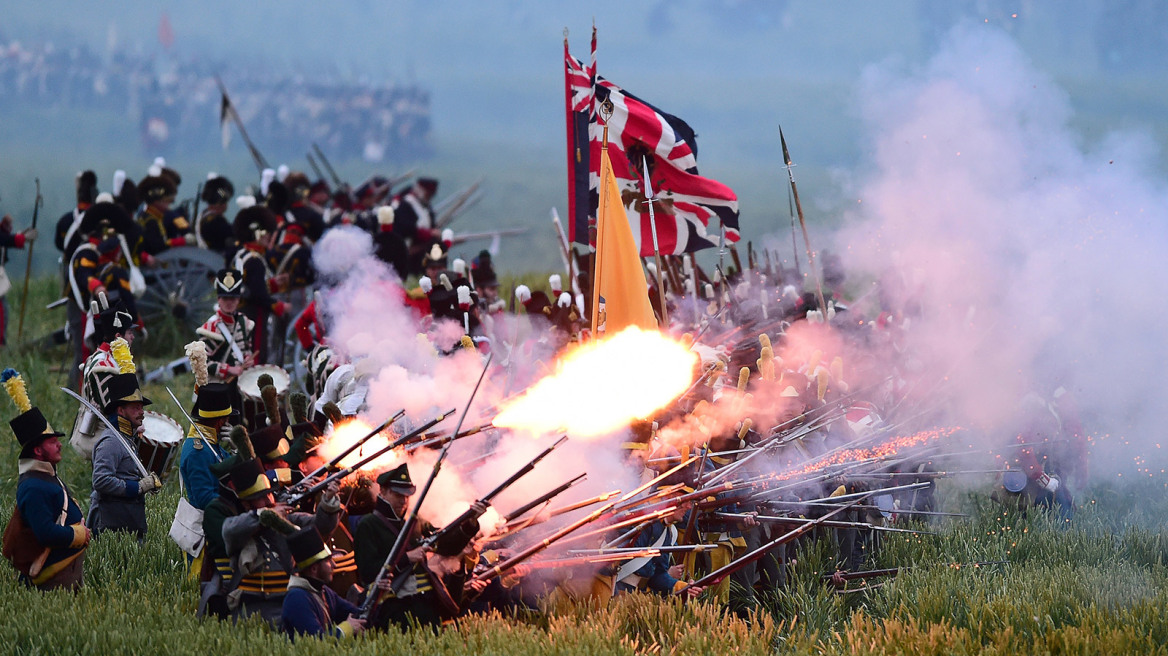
228,335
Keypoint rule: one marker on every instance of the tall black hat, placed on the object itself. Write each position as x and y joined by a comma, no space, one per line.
270,442
218,190
123,388
229,283
214,401
252,220
398,480
31,428
307,547
153,188
114,321
248,480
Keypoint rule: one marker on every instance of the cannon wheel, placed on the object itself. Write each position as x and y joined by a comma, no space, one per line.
182,286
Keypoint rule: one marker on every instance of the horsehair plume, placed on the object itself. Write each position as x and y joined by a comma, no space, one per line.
242,443
264,380
743,378
333,412
271,405
764,340
813,361
14,385
298,402
121,352
821,378
467,343
687,339
277,522
197,353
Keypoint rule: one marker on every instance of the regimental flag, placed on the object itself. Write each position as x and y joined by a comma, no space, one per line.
620,294
686,200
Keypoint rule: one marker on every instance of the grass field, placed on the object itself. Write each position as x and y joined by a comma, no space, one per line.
1097,585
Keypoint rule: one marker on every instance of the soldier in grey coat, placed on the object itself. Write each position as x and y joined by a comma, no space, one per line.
118,502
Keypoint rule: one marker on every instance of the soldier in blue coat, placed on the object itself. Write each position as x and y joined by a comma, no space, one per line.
46,538
119,488
310,606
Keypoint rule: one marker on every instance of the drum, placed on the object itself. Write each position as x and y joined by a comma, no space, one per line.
249,381
160,442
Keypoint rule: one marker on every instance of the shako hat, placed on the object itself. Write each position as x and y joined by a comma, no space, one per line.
398,480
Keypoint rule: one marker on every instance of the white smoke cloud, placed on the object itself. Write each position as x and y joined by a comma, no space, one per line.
1037,257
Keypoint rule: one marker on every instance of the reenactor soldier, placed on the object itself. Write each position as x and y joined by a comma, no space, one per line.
119,489
303,216
228,334
255,537
160,230
111,323
255,229
212,229
66,236
311,607
201,447
46,537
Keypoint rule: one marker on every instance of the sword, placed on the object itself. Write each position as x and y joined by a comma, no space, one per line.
192,421
105,420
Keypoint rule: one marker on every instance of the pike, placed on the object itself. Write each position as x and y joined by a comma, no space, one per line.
315,168
758,553
831,524
327,166
398,548
649,200
338,475
565,252
192,422
471,513
36,210
543,498
803,224
228,106
105,420
351,448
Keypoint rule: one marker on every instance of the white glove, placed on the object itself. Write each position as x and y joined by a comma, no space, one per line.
1048,482
149,484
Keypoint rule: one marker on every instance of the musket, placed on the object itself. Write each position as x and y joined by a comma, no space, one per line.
461,200
351,448
437,436
336,476
36,210
830,524
329,167
758,553
531,550
893,571
192,422
105,420
399,544
592,559
803,224
515,527
853,495
398,179
543,498
616,550
485,500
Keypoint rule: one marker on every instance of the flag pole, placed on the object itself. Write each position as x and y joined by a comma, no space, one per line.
803,224
649,200
258,158
605,111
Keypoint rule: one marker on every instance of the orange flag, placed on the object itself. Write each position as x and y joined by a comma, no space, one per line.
620,296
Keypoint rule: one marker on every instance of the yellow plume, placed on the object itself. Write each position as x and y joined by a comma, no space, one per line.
121,352
821,378
687,340
764,340
15,388
813,362
467,343
743,378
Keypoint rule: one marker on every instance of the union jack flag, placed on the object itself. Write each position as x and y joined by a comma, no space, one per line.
639,132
